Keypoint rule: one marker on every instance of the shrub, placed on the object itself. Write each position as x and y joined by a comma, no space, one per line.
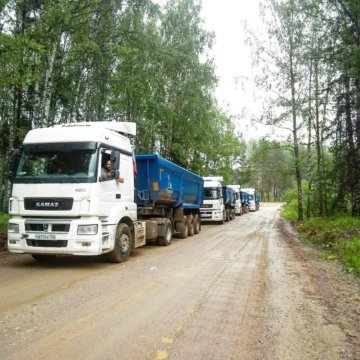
4,217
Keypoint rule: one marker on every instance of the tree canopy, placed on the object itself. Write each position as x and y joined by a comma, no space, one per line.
124,60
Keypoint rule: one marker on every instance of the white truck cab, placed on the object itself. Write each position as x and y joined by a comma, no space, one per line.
238,207
62,204
213,208
252,202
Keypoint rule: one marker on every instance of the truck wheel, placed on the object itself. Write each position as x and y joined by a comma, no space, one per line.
190,225
122,246
182,229
221,222
197,224
166,239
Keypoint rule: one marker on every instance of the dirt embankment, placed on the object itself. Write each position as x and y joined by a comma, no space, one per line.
337,290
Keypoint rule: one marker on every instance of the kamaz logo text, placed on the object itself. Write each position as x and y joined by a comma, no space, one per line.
47,204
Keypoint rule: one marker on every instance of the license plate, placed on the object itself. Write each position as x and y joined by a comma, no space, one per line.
205,215
45,237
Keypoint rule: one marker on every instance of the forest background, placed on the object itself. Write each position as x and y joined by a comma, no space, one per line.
133,60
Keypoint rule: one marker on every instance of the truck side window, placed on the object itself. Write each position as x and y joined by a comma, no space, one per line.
107,171
110,162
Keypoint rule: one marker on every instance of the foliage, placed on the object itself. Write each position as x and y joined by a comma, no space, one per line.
350,254
70,61
269,168
309,68
339,236
3,221
289,211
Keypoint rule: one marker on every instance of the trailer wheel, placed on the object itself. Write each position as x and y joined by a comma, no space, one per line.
227,216
197,224
190,225
182,229
122,246
165,240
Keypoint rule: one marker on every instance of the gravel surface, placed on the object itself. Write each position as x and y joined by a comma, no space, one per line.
243,290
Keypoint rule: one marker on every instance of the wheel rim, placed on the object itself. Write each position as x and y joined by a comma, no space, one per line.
125,243
168,234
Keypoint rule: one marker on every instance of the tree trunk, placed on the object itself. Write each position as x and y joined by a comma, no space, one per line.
318,143
294,131
48,84
309,157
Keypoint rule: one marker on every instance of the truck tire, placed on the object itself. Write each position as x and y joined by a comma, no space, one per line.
190,225
122,246
221,222
227,215
182,229
165,240
197,224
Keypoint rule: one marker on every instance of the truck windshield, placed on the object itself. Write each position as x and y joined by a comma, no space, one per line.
212,193
57,163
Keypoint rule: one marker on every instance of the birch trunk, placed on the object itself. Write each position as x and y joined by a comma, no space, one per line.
48,88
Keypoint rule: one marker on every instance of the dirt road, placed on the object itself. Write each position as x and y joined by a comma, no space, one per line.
242,290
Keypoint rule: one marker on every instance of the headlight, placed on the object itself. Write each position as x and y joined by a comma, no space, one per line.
87,229
13,228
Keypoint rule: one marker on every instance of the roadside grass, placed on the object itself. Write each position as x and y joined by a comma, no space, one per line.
4,217
338,236
289,211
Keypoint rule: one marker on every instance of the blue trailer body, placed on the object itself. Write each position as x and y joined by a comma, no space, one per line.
161,183
245,200
229,196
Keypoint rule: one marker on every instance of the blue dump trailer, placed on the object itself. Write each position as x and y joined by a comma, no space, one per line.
245,201
257,200
229,202
169,195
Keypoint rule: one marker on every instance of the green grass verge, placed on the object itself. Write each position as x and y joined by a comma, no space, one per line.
289,211
338,236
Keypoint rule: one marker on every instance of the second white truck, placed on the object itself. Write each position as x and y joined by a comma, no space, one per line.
213,207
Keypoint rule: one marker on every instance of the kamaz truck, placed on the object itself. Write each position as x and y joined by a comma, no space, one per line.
238,206
62,203
254,198
213,208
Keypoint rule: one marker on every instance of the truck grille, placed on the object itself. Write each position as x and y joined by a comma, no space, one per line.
47,243
47,227
206,206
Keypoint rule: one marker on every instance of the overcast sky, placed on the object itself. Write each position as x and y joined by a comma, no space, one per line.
233,57
226,19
